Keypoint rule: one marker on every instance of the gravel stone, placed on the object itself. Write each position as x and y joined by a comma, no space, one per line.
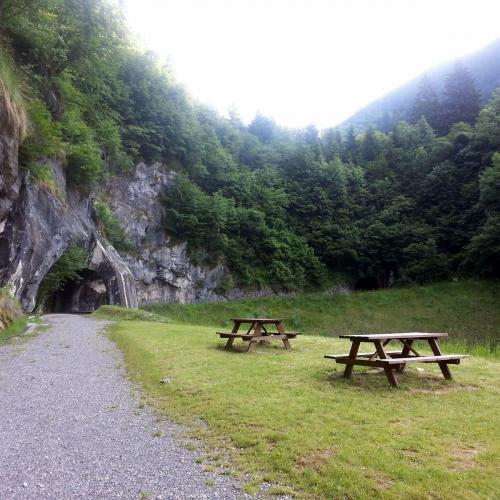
71,425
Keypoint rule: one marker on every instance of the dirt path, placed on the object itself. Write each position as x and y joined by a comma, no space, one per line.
70,426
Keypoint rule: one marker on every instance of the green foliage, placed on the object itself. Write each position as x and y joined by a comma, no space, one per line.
111,228
12,101
258,252
12,319
281,208
44,138
67,268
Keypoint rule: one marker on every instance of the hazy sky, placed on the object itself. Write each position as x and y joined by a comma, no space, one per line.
307,61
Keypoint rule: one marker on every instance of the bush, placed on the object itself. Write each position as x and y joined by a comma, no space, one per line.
83,155
44,136
111,228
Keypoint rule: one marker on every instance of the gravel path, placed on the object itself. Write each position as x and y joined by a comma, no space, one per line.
70,426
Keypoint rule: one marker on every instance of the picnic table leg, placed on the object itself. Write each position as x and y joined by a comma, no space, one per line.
389,372
257,333
235,329
352,355
405,352
442,364
281,330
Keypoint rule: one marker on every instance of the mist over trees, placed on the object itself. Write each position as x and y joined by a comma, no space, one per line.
291,209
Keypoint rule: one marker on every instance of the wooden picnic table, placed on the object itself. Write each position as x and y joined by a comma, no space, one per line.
257,332
397,359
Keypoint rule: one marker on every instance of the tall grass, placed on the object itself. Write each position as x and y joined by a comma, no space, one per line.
12,319
12,103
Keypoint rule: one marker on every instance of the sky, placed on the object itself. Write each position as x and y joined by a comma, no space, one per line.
307,61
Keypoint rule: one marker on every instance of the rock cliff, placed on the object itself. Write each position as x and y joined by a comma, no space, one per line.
39,222
161,267
40,226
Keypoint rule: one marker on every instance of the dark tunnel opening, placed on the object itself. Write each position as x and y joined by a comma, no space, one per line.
84,295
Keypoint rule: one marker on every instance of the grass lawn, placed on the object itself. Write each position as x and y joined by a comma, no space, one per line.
468,310
288,418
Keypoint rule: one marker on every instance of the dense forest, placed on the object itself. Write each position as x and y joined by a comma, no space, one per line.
290,209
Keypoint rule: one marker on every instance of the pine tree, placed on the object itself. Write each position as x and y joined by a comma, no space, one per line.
332,143
461,100
426,103
351,145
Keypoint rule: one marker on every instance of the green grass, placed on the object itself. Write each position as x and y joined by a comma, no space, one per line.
118,313
12,318
15,329
290,419
469,311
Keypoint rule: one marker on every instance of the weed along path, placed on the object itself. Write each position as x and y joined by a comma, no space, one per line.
71,425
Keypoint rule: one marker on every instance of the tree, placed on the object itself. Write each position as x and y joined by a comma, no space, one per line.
332,144
461,100
351,145
426,103
264,128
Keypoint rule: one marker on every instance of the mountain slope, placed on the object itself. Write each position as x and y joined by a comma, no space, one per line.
394,106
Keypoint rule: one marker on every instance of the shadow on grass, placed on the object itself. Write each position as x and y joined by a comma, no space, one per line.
241,348
408,380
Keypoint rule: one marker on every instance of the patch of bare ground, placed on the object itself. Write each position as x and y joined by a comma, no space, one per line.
464,458
315,459
383,483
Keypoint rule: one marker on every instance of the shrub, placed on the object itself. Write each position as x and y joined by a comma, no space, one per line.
44,136
111,228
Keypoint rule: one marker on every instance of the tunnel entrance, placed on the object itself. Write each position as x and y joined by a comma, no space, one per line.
84,295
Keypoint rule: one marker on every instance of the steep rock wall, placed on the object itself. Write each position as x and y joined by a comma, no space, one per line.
40,226
161,267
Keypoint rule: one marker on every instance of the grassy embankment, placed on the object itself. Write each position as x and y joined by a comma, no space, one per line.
290,419
12,320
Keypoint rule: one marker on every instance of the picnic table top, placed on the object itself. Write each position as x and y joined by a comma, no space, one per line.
257,320
387,336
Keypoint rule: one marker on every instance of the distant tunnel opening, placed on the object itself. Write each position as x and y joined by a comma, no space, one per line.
84,295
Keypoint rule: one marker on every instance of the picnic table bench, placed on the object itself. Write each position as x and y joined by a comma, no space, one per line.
257,332
395,360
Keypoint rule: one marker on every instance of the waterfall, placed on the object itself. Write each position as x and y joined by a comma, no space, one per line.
124,279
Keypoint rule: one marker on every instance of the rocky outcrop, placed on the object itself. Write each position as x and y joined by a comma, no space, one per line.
9,178
161,267
43,223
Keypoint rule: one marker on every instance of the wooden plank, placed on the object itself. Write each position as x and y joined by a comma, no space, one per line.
361,362
256,320
244,336
393,336
452,358
361,355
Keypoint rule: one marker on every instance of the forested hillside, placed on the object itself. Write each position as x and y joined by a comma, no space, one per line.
397,105
290,209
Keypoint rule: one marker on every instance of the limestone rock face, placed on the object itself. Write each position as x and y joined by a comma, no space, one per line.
161,267
40,227
38,223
